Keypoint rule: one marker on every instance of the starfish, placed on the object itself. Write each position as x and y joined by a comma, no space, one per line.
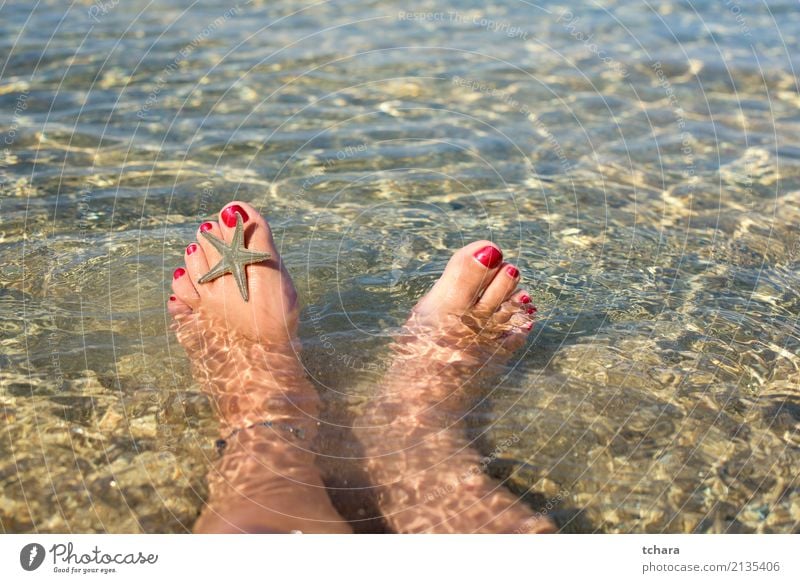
234,258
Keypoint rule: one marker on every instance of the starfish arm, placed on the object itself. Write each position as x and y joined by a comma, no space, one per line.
237,242
249,257
241,279
218,270
218,243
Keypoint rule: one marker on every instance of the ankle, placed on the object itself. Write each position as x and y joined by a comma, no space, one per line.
254,383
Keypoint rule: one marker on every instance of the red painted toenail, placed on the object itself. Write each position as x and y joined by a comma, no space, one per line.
489,256
191,248
513,272
178,273
525,299
531,310
172,298
206,227
229,215
529,326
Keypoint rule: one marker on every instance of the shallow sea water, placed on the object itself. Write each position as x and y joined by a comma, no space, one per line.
645,178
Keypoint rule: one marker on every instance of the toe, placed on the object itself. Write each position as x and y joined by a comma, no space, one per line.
519,321
210,253
518,304
184,288
522,316
196,263
514,340
513,306
467,274
258,235
177,307
500,289
522,298
227,216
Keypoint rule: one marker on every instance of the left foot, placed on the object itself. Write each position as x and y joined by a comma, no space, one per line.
227,338
244,354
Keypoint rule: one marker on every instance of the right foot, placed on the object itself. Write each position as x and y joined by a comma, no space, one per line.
427,477
465,327
474,309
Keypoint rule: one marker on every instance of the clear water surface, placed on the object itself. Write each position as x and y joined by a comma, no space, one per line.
638,160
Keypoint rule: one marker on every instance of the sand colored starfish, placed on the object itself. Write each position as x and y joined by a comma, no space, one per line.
235,257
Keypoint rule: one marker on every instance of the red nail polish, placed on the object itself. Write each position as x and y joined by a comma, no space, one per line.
206,227
531,310
489,256
525,299
512,271
529,326
229,215
178,273
172,298
191,248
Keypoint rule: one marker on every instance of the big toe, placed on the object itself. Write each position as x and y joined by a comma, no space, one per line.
270,280
467,275
257,233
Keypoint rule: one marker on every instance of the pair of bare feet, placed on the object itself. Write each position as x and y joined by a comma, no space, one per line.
245,355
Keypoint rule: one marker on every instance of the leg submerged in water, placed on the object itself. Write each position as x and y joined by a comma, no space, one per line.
428,477
244,354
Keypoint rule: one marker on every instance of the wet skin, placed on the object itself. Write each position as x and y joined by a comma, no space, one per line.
245,355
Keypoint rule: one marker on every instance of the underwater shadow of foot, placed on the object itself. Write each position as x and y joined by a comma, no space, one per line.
346,481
